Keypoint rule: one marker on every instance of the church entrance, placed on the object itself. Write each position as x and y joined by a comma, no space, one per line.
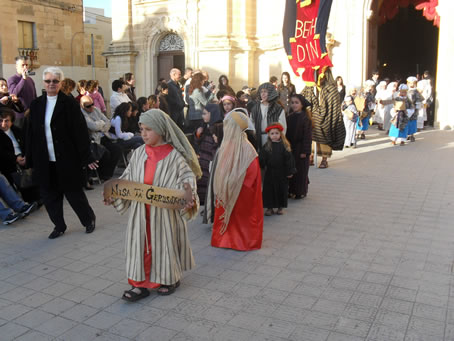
171,55
407,45
402,42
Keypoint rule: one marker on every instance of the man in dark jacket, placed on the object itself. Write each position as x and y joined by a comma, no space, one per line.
58,149
175,98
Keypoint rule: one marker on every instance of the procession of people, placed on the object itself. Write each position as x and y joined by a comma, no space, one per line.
242,155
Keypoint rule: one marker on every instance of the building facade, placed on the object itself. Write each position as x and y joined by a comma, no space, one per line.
243,39
53,33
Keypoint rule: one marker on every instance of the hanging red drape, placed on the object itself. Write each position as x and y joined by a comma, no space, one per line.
389,9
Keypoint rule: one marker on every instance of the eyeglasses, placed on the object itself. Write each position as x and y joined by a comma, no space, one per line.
88,106
53,81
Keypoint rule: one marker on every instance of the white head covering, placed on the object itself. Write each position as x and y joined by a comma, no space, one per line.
391,86
350,88
348,98
245,112
412,79
403,87
381,86
369,83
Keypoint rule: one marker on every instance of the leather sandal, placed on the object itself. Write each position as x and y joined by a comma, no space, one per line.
132,296
165,290
323,164
269,212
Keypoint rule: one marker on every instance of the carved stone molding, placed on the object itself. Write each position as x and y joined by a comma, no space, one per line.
155,28
171,42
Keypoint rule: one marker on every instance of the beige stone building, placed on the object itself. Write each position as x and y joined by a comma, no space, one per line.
243,39
53,33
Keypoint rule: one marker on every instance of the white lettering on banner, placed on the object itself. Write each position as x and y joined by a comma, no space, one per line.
305,28
309,50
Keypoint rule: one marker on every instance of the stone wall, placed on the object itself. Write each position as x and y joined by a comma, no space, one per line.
62,40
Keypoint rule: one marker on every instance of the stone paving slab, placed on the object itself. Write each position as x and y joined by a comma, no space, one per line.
368,255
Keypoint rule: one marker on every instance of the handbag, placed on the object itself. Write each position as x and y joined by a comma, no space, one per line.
23,178
97,150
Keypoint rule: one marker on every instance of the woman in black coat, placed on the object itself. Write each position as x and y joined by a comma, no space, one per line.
58,149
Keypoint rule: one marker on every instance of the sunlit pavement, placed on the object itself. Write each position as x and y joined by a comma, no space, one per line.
368,255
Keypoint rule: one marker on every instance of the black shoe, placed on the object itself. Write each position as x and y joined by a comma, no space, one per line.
28,208
88,187
55,234
11,218
91,227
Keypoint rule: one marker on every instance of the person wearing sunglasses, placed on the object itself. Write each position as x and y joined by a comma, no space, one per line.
98,128
22,86
58,149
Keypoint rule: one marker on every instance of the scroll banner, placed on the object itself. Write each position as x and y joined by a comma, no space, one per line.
302,37
147,194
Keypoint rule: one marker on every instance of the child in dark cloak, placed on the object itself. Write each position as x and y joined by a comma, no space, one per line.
206,146
277,159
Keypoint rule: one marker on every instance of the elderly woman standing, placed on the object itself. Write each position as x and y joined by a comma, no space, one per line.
157,241
58,149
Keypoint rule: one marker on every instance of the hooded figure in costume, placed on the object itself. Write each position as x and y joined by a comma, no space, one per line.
328,123
266,111
157,241
238,221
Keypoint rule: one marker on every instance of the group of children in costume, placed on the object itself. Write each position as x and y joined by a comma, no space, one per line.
228,169
400,110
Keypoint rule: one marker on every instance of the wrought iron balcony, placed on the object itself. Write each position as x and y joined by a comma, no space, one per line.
32,55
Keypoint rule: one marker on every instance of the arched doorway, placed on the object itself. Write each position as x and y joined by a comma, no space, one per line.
402,42
407,45
171,55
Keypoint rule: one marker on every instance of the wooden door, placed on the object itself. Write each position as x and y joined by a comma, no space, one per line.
165,64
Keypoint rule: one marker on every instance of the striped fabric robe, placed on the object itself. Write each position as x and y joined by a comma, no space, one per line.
171,250
327,116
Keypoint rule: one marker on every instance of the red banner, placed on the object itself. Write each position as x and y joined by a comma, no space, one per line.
304,52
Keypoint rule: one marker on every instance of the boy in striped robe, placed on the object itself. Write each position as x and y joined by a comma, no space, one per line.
157,241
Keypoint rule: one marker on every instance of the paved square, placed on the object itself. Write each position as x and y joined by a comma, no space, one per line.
368,255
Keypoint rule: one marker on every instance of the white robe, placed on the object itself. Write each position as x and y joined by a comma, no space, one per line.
350,127
425,88
380,108
387,96
170,247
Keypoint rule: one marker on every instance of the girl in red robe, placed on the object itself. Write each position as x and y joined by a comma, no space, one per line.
238,221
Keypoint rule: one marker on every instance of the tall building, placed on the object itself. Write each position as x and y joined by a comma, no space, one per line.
243,39
53,33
